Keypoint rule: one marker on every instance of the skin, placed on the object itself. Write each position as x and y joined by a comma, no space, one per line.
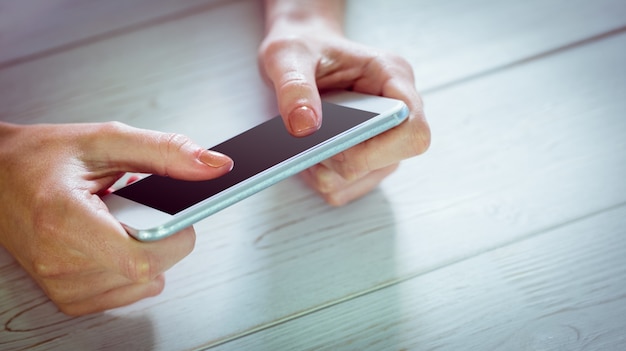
305,52
56,226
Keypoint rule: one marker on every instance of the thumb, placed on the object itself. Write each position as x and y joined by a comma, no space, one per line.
129,149
291,69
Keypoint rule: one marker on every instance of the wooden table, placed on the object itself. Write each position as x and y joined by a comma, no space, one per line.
509,233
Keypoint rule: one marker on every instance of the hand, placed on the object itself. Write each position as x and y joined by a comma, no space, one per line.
304,52
55,225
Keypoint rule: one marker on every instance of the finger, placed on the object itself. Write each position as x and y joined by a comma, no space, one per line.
140,261
103,239
390,76
93,240
58,262
410,138
125,148
290,66
350,191
323,179
87,230
118,297
71,289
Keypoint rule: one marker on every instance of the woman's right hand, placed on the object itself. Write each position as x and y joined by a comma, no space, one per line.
56,226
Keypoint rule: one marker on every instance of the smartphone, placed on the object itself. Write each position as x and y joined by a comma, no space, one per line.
157,206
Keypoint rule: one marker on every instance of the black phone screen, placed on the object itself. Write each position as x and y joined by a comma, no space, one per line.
252,151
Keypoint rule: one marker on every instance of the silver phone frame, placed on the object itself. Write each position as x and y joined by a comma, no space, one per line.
148,224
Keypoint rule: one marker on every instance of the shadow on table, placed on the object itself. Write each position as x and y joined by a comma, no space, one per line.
31,321
323,256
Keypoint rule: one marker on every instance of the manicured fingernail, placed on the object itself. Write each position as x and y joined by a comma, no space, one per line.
214,159
303,121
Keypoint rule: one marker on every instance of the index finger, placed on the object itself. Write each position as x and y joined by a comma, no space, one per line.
290,66
110,245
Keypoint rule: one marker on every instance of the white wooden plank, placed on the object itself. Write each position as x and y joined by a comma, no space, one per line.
32,28
200,71
449,39
515,154
563,290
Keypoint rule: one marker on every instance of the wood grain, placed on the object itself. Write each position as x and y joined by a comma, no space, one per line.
542,166
563,290
34,29
136,79
451,39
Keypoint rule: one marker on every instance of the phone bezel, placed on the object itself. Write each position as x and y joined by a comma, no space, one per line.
147,224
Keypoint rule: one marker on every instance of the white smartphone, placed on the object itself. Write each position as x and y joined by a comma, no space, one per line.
156,206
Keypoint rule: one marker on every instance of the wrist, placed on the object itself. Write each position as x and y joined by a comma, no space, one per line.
297,16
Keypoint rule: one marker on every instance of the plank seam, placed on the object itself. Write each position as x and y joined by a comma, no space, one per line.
497,69
174,16
532,234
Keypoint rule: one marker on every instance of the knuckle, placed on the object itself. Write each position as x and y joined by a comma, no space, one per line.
419,138
174,142
43,268
334,199
46,266
41,214
390,65
48,230
98,136
381,60
111,128
69,309
281,59
169,145
140,268
156,287
395,61
324,179
399,61
354,165
292,80
324,184
61,296
349,170
276,46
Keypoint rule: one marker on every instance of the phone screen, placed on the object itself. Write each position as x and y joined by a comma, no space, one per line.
252,151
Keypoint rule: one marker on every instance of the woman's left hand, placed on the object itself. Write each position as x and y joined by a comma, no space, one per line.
302,59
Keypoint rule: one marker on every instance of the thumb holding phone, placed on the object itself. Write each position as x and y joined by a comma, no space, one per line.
304,52
58,229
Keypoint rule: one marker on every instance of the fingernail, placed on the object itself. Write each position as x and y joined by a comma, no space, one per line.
214,159
303,121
